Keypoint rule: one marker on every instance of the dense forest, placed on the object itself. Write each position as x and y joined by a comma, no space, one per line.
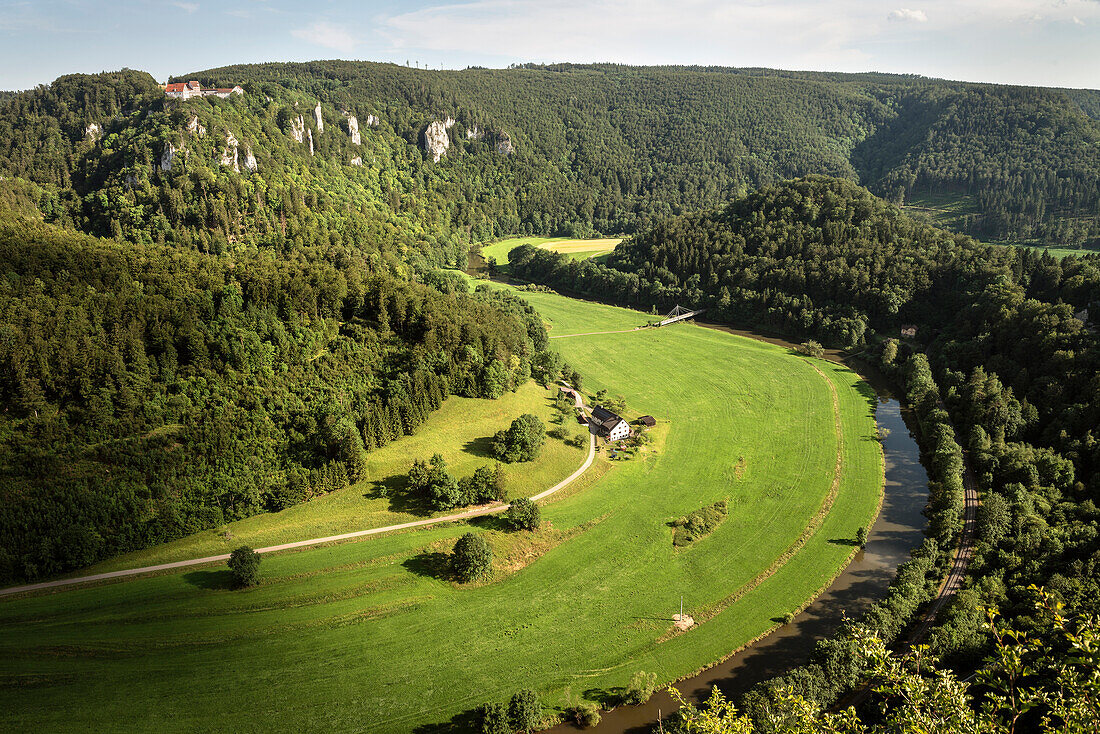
561,149
150,392
1003,367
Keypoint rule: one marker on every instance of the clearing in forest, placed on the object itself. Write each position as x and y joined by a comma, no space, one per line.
372,636
574,248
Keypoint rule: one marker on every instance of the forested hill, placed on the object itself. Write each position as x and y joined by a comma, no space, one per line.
561,149
150,391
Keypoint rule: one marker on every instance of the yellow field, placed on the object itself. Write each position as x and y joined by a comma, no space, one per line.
576,249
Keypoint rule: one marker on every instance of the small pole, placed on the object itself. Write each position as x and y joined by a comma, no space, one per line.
681,607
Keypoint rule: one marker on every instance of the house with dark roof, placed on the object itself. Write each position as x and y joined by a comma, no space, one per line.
609,425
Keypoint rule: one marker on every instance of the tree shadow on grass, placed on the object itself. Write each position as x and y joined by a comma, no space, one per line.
480,447
607,698
851,542
431,564
491,522
466,721
395,488
221,579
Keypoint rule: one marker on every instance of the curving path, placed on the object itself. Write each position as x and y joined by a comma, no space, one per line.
476,512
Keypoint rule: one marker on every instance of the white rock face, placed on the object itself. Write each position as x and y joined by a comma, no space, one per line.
130,180
298,129
249,159
229,155
92,131
167,157
356,161
474,133
372,121
195,127
309,134
504,144
436,139
353,130
448,122
320,120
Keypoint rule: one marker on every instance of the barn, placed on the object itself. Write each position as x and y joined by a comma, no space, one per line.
609,425
648,420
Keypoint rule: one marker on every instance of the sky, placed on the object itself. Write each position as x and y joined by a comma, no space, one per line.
1032,42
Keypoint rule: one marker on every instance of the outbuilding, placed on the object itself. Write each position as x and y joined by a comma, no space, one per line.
648,420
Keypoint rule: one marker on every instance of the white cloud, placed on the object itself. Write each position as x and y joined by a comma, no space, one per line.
907,15
187,7
1078,21
329,35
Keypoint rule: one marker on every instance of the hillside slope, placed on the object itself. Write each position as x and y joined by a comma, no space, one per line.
563,149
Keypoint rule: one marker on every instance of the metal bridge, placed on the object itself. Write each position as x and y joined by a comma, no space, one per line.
679,314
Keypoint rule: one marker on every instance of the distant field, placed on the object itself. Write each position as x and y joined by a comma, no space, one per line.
945,210
576,249
363,636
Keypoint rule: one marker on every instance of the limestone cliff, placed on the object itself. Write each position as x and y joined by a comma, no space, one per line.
92,131
195,127
356,161
504,143
436,138
249,159
229,154
320,120
372,121
168,156
309,134
298,129
353,130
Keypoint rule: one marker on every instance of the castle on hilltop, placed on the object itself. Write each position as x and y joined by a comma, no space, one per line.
187,90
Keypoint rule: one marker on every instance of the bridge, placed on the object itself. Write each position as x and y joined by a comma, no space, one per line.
679,314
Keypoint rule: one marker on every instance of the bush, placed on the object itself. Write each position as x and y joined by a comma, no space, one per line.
861,537
522,441
244,564
640,688
580,440
494,718
524,710
698,524
584,714
558,432
472,558
811,349
523,514
486,484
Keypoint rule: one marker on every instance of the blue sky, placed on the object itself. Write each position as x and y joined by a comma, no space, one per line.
1040,42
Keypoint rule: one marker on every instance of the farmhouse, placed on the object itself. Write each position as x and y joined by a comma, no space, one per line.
187,90
608,424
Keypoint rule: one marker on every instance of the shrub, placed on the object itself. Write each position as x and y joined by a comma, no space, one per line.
494,718
640,688
580,440
523,514
699,524
472,558
558,432
522,441
244,564
861,537
811,349
584,713
524,710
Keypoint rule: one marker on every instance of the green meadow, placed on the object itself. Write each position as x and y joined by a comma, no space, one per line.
575,249
371,636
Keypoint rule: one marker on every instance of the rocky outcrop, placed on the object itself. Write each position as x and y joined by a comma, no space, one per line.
309,135
372,121
195,127
436,138
229,155
320,120
168,156
353,131
474,133
504,143
298,129
92,131
249,159
356,161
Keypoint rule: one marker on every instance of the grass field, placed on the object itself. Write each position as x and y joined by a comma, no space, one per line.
461,431
365,637
575,249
